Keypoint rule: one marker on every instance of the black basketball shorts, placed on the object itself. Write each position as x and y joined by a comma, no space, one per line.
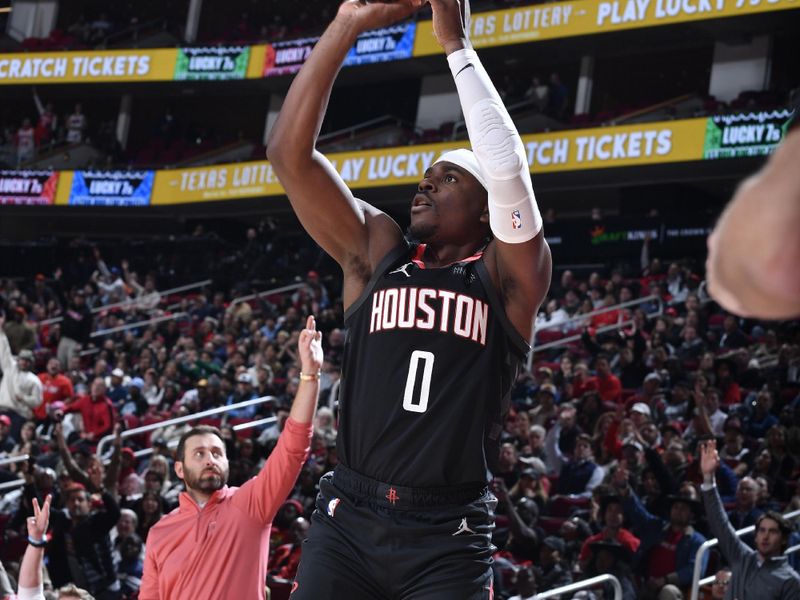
375,541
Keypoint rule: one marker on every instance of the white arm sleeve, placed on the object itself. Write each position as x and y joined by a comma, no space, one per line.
513,214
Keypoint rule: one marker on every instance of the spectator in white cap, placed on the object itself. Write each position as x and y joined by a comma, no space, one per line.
640,413
244,391
650,390
116,388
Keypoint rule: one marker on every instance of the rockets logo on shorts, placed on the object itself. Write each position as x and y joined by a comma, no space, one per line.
332,506
516,219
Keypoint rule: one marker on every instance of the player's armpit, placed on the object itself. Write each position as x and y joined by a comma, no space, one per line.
523,278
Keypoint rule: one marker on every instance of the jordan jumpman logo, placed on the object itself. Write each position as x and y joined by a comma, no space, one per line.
463,528
403,270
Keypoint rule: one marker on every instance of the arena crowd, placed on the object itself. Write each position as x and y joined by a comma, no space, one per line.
598,470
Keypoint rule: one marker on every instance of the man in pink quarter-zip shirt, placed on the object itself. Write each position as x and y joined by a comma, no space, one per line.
216,543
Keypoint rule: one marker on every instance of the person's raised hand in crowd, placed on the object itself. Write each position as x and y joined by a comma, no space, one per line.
309,349
27,469
500,490
30,570
566,417
709,460
37,524
58,434
367,15
699,396
117,442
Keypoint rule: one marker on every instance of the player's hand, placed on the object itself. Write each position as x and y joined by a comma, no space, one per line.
310,347
448,24
709,459
368,15
37,524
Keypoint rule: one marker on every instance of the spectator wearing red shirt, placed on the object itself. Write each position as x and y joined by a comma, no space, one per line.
607,318
611,509
96,410
608,385
284,561
582,382
55,386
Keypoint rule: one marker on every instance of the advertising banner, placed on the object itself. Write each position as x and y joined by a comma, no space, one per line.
586,17
378,45
382,45
686,140
110,188
285,58
612,237
221,182
745,134
28,187
213,63
87,67
641,144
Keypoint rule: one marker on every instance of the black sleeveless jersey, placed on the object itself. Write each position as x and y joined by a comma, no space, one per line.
429,361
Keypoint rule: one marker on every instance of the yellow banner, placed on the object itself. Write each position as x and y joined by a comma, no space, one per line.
88,67
64,188
602,147
585,17
221,182
258,55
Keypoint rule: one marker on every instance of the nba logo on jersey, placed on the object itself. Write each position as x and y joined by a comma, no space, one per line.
516,219
332,506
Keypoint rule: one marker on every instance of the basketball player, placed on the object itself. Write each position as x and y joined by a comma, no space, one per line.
436,331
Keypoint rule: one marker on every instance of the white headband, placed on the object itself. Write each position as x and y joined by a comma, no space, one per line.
466,160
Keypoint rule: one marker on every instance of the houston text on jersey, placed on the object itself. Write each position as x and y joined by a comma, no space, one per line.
429,309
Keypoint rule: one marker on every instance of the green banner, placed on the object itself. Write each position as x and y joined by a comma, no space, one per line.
212,63
745,134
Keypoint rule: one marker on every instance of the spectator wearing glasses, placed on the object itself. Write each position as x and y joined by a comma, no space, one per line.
719,586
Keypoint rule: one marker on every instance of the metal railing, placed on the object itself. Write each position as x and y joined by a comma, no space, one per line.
582,585
256,423
172,444
11,485
145,323
133,301
353,130
708,544
193,417
285,288
10,460
578,318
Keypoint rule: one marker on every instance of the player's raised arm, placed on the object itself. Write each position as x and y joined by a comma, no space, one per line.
520,252
325,206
